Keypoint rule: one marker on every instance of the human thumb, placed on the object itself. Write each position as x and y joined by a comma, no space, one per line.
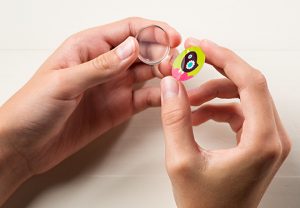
176,118
101,69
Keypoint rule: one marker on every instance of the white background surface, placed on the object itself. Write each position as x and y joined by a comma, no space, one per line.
125,168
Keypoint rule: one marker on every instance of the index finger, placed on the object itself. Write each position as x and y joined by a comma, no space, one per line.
252,86
113,34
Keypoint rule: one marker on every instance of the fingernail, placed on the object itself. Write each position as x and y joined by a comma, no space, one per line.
125,49
170,87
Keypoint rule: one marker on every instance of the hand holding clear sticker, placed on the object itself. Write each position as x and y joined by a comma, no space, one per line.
155,47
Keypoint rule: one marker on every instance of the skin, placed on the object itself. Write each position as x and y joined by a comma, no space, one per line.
235,177
82,90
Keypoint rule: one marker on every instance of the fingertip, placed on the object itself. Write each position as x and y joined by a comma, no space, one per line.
125,51
175,39
165,68
194,120
134,56
204,43
169,88
166,65
136,45
208,47
190,41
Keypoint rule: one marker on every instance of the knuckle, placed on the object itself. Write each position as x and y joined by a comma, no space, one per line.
264,131
259,80
59,89
174,116
73,41
272,152
180,166
286,148
152,99
73,38
236,110
75,44
57,79
133,19
162,23
236,107
102,62
212,84
229,54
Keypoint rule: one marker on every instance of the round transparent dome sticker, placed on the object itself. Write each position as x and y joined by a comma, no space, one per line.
154,44
188,63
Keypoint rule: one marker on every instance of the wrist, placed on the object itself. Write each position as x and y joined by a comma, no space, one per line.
13,168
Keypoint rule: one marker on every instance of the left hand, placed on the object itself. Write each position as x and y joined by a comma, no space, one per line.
81,91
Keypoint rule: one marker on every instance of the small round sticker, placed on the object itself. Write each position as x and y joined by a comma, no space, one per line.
188,63
154,44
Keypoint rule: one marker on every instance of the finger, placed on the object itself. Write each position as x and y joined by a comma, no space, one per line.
142,72
284,137
146,97
229,113
226,61
252,86
217,88
99,70
165,66
131,26
98,40
194,42
176,119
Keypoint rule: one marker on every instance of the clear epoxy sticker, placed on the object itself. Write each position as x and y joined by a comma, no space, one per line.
188,63
154,44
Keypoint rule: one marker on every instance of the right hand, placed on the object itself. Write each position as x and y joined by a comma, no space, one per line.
236,177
